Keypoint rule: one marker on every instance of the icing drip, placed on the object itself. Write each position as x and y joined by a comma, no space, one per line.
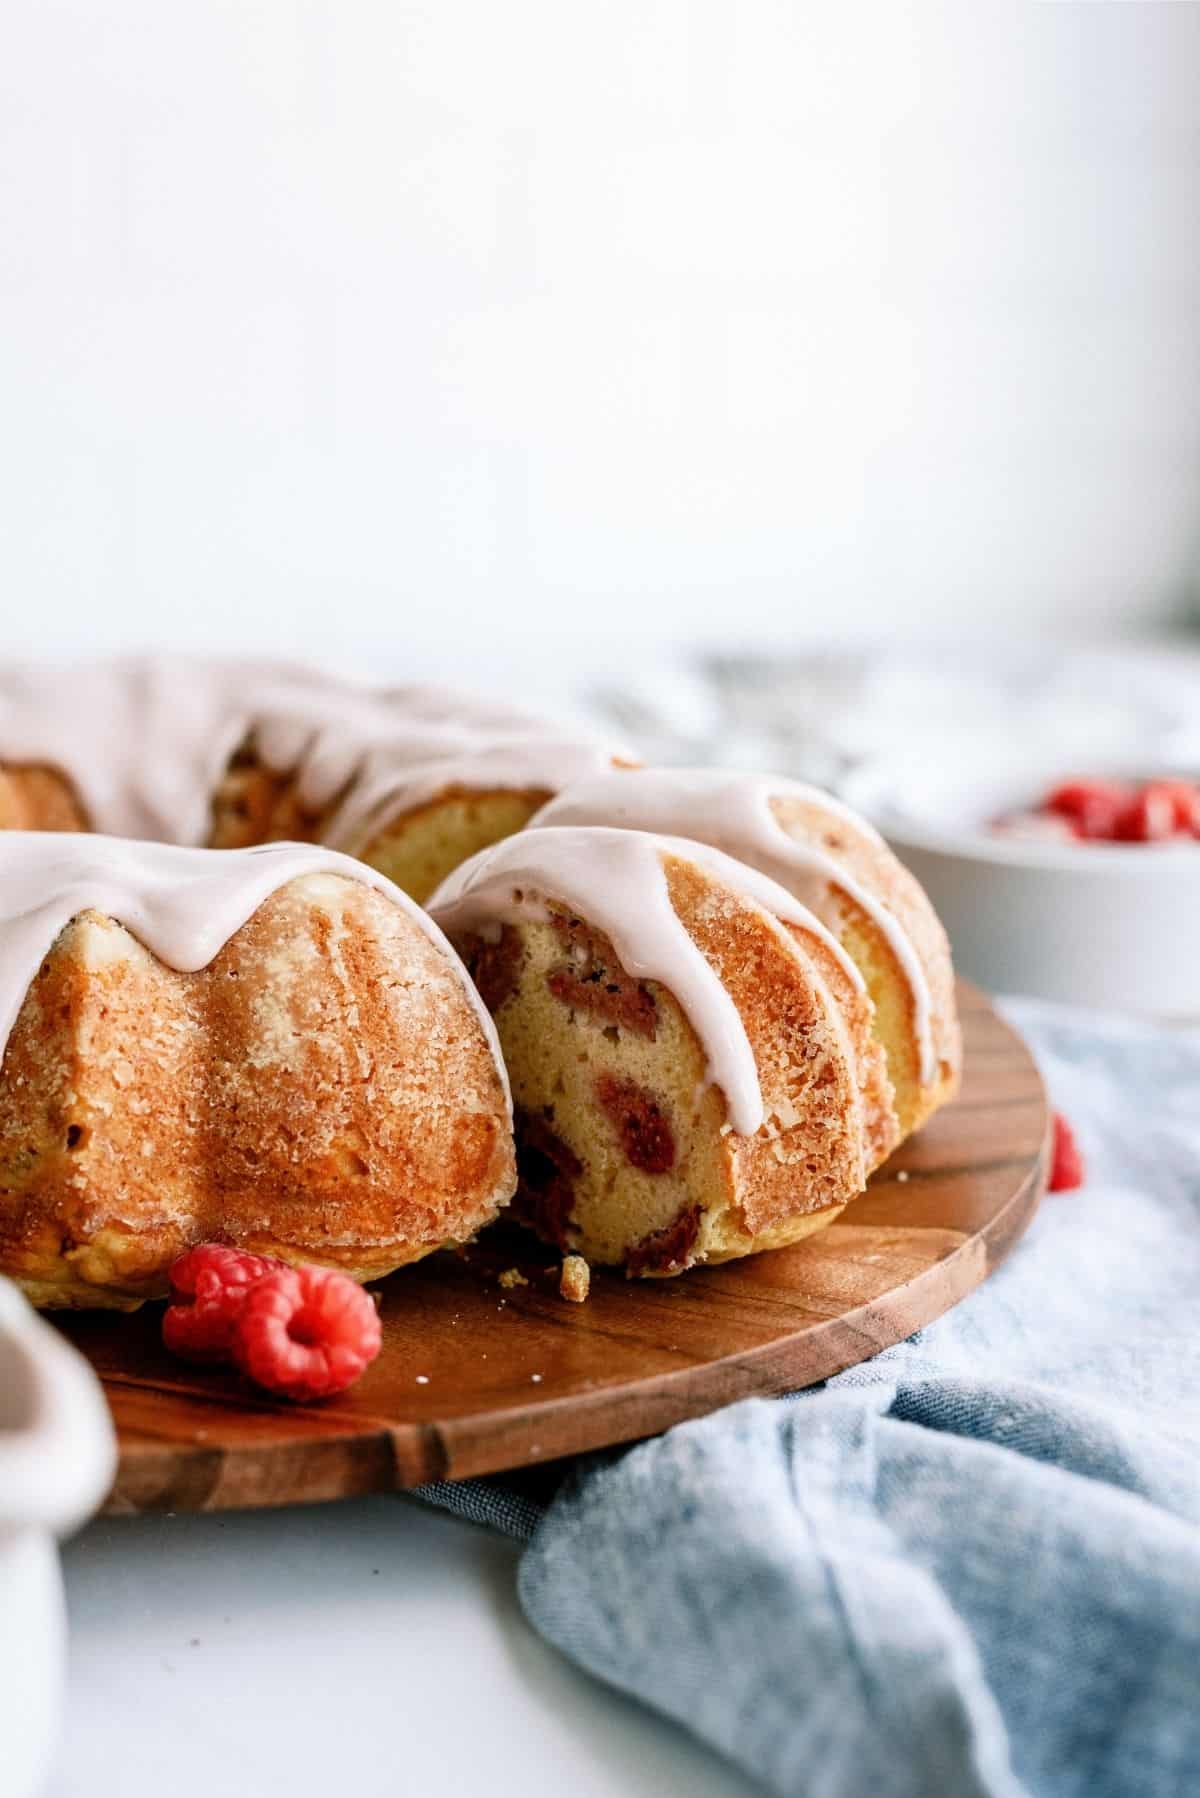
616,880
733,812
145,743
182,904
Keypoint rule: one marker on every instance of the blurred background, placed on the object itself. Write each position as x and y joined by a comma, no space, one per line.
538,336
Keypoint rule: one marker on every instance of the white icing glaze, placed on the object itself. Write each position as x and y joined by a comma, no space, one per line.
145,743
733,812
183,904
615,879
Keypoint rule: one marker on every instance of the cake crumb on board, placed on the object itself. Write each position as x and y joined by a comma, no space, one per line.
512,1276
575,1279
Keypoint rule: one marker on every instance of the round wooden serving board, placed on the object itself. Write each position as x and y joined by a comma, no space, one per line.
517,1377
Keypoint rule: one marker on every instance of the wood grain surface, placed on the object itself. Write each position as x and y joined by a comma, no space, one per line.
516,1377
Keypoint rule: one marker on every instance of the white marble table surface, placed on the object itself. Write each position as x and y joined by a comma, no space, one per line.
337,1651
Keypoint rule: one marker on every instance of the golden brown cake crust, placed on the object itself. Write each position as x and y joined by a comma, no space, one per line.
321,1091
827,1100
869,862
38,799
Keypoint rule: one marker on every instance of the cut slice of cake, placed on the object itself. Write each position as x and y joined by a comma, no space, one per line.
691,1052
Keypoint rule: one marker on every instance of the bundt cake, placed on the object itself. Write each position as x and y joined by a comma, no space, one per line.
694,1070
273,1048
837,865
721,999
411,780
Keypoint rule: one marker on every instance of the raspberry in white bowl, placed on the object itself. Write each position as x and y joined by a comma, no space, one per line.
1084,889
1099,809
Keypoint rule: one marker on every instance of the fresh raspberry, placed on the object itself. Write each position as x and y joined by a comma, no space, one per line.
1066,1165
1093,806
646,1136
1184,798
306,1332
1149,817
208,1288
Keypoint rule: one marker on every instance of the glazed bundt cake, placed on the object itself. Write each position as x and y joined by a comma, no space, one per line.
721,999
837,865
694,1070
411,780
273,1048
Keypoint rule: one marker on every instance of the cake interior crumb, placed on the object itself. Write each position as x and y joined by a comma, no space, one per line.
575,1279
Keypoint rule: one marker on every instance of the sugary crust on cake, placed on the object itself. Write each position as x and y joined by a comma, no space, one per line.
38,799
321,1091
870,863
826,1099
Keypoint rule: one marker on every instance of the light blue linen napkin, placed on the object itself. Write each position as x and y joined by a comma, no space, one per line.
968,1567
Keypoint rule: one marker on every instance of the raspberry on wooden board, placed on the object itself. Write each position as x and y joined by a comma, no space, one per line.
208,1289
306,1332
302,1332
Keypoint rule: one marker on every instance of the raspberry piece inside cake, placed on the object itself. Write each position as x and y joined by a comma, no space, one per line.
594,980
546,1174
668,1251
646,1136
494,966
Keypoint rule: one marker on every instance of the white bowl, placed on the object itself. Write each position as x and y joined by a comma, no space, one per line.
57,1459
1111,925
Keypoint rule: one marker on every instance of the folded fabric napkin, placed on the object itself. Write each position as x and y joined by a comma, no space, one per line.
968,1567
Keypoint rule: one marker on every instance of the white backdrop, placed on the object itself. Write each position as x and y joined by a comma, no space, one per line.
437,325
